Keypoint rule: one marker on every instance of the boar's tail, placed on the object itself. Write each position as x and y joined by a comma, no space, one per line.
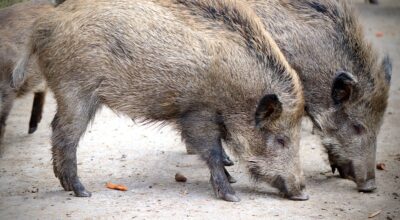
19,73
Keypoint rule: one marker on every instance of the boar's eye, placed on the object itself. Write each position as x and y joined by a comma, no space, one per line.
281,141
358,128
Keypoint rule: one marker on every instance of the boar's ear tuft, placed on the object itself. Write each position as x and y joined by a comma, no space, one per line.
269,108
387,68
343,86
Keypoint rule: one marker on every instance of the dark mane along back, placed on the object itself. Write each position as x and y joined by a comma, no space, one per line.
342,23
240,18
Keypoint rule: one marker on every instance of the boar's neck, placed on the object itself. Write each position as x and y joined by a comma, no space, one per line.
318,39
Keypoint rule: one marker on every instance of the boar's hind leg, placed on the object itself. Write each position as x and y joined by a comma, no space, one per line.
200,130
68,125
6,102
37,109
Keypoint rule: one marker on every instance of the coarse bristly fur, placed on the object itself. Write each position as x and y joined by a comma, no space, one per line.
15,27
207,66
346,87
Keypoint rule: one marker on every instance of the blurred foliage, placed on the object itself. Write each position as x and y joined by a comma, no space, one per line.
6,3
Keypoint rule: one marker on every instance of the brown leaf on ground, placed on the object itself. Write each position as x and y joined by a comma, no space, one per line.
116,186
379,34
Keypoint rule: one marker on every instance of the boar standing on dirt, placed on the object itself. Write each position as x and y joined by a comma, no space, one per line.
15,27
345,85
207,66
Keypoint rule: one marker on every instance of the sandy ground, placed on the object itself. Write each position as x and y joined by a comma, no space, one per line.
146,159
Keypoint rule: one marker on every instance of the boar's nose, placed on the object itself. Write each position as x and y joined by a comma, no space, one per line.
367,186
301,197
290,188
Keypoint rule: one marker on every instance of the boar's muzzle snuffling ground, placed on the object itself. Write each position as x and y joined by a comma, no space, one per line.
209,67
346,86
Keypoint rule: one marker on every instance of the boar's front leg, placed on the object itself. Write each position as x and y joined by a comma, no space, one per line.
200,130
68,125
226,159
37,109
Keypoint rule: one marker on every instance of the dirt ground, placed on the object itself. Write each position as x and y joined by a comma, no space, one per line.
146,159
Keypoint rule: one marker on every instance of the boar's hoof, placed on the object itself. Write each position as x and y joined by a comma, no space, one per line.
231,179
32,130
301,197
227,161
231,198
373,1
80,190
368,186
333,169
190,150
223,190
74,185
82,193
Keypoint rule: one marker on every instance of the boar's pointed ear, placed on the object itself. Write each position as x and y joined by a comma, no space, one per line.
387,68
269,108
343,86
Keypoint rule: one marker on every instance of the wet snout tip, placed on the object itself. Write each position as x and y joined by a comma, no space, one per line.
301,197
368,186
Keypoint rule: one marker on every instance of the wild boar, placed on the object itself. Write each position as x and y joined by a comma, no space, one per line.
345,84
15,26
209,67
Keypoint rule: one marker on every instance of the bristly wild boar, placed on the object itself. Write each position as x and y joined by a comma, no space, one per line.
15,26
207,66
345,85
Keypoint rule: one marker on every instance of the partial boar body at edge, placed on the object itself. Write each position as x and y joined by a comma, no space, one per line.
203,65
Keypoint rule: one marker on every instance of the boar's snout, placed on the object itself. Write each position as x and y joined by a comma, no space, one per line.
365,181
367,186
292,189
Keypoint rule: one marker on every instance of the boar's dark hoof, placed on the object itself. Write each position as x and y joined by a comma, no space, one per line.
74,185
80,190
301,197
83,193
32,130
231,179
373,1
227,161
368,186
231,198
190,150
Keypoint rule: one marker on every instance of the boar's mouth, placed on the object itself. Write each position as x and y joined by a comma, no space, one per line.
296,193
346,170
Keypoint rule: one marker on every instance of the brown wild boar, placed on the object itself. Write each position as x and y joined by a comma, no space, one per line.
15,27
345,84
209,67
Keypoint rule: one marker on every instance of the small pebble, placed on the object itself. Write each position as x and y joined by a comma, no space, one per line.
381,166
180,178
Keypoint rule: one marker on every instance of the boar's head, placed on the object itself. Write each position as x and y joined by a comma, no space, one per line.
350,127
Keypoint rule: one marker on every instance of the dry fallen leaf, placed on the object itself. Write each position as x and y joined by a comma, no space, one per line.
381,166
379,34
116,186
374,214
180,178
